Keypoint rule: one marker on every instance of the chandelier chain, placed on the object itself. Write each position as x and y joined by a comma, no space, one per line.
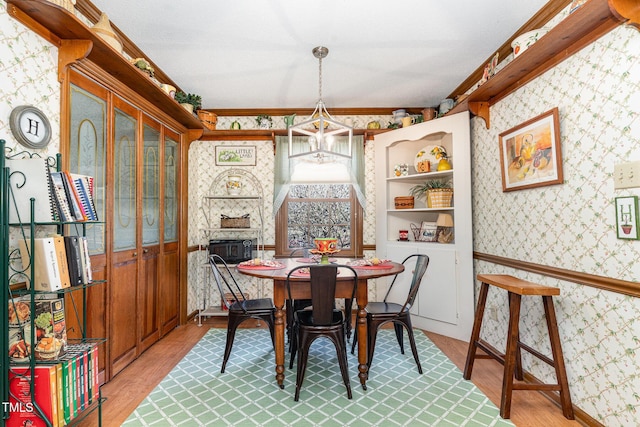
320,78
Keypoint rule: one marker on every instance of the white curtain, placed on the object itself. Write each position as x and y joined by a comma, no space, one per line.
328,172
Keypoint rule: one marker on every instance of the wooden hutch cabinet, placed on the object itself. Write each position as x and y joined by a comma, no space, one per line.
118,126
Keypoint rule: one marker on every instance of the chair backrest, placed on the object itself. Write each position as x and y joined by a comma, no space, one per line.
422,262
225,280
323,280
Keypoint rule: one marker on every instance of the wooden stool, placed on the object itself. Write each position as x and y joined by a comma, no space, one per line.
512,359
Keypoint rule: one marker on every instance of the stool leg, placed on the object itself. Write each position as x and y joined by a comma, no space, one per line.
510,354
518,369
556,349
475,332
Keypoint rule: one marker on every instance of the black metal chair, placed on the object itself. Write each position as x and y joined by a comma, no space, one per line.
293,306
240,308
379,313
321,320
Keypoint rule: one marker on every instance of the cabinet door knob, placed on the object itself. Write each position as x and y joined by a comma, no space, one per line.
144,251
135,254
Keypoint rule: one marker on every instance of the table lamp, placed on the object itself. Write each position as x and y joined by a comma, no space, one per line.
445,222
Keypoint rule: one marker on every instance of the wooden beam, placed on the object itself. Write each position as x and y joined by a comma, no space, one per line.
544,15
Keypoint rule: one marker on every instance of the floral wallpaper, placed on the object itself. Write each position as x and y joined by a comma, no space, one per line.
572,225
28,65
203,172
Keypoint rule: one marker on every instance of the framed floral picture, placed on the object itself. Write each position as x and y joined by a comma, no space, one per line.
627,218
235,156
530,153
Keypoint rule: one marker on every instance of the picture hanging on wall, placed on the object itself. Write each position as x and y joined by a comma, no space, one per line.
627,218
235,156
530,153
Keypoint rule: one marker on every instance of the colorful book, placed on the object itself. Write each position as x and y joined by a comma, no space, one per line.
68,384
30,178
46,275
84,189
21,408
63,265
62,202
60,394
72,197
74,258
85,258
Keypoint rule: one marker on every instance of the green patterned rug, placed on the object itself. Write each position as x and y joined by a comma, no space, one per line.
195,393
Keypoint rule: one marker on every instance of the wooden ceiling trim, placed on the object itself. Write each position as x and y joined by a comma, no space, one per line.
544,15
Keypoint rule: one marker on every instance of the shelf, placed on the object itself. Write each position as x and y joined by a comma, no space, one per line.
237,197
592,20
212,311
22,289
77,42
450,208
270,134
421,176
232,229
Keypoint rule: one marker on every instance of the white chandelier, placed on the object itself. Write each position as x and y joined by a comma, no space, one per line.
320,128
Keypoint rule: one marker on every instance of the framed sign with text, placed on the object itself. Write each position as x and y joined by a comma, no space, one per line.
235,156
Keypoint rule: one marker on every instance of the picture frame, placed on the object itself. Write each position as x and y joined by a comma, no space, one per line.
530,153
428,232
244,155
627,218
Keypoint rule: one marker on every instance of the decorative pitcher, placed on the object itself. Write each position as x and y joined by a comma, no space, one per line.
288,120
234,185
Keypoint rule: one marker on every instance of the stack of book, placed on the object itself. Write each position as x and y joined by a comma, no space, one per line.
73,195
62,390
59,196
59,262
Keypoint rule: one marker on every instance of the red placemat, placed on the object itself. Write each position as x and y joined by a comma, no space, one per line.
313,260
374,267
270,265
304,273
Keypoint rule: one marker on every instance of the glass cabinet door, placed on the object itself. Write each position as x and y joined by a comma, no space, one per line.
170,190
125,166
151,186
87,149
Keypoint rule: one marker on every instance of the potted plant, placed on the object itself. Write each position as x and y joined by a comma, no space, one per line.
143,65
189,101
438,192
264,121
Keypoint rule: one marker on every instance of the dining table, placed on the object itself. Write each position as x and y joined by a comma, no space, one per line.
277,270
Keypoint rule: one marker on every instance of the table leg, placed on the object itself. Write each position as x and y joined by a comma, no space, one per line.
278,300
361,324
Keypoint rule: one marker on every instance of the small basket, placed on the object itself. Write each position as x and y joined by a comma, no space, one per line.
404,202
239,222
439,197
208,119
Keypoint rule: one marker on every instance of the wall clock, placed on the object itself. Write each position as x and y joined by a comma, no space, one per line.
30,126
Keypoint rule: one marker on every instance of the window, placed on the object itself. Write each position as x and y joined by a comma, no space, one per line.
319,210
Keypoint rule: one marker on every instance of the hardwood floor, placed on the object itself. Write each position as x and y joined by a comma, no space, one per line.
134,383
